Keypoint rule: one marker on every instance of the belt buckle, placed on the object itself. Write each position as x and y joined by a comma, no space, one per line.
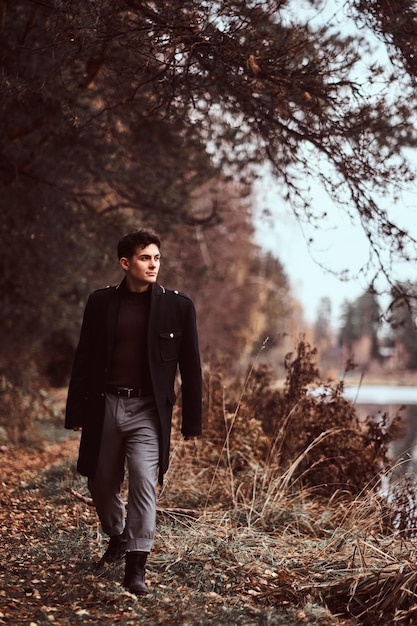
124,392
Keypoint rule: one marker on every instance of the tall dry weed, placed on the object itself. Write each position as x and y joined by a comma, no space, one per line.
263,441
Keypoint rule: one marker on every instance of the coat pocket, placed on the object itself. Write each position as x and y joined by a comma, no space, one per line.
169,344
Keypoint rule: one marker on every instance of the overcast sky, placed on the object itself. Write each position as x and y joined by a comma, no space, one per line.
339,245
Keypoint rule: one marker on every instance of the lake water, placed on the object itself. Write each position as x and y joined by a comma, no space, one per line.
377,399
381,394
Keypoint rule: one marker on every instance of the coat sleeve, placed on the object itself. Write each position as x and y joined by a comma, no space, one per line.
191,378
81,372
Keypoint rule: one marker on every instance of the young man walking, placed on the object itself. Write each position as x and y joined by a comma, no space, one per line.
134,338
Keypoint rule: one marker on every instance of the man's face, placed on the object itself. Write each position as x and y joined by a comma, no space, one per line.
142,268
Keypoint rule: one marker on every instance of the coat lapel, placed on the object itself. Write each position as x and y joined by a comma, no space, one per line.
156,291
112,313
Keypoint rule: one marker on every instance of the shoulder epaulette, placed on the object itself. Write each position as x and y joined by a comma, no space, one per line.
180,293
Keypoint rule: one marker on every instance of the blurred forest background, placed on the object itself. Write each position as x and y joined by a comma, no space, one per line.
164,114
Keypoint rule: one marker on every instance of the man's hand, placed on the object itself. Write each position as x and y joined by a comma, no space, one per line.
77,428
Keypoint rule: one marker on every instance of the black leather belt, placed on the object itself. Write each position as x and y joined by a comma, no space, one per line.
128,392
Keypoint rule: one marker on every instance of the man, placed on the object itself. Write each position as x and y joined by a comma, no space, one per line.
133,339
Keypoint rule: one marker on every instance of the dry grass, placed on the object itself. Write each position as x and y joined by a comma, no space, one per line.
285,547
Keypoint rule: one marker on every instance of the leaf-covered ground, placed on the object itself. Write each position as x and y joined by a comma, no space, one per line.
51,541
238,556
200,571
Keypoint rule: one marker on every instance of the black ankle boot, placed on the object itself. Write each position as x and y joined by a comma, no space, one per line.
116,550
134,580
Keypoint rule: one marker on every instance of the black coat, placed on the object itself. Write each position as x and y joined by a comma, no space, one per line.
172,344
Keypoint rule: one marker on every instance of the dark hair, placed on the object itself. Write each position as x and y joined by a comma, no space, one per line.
138,239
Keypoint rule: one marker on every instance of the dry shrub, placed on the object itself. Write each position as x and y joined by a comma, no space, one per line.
316,439
332,448
266,450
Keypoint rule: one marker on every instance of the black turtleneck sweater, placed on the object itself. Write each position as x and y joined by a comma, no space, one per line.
130,367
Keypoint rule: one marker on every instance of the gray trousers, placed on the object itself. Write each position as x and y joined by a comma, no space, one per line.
130,433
